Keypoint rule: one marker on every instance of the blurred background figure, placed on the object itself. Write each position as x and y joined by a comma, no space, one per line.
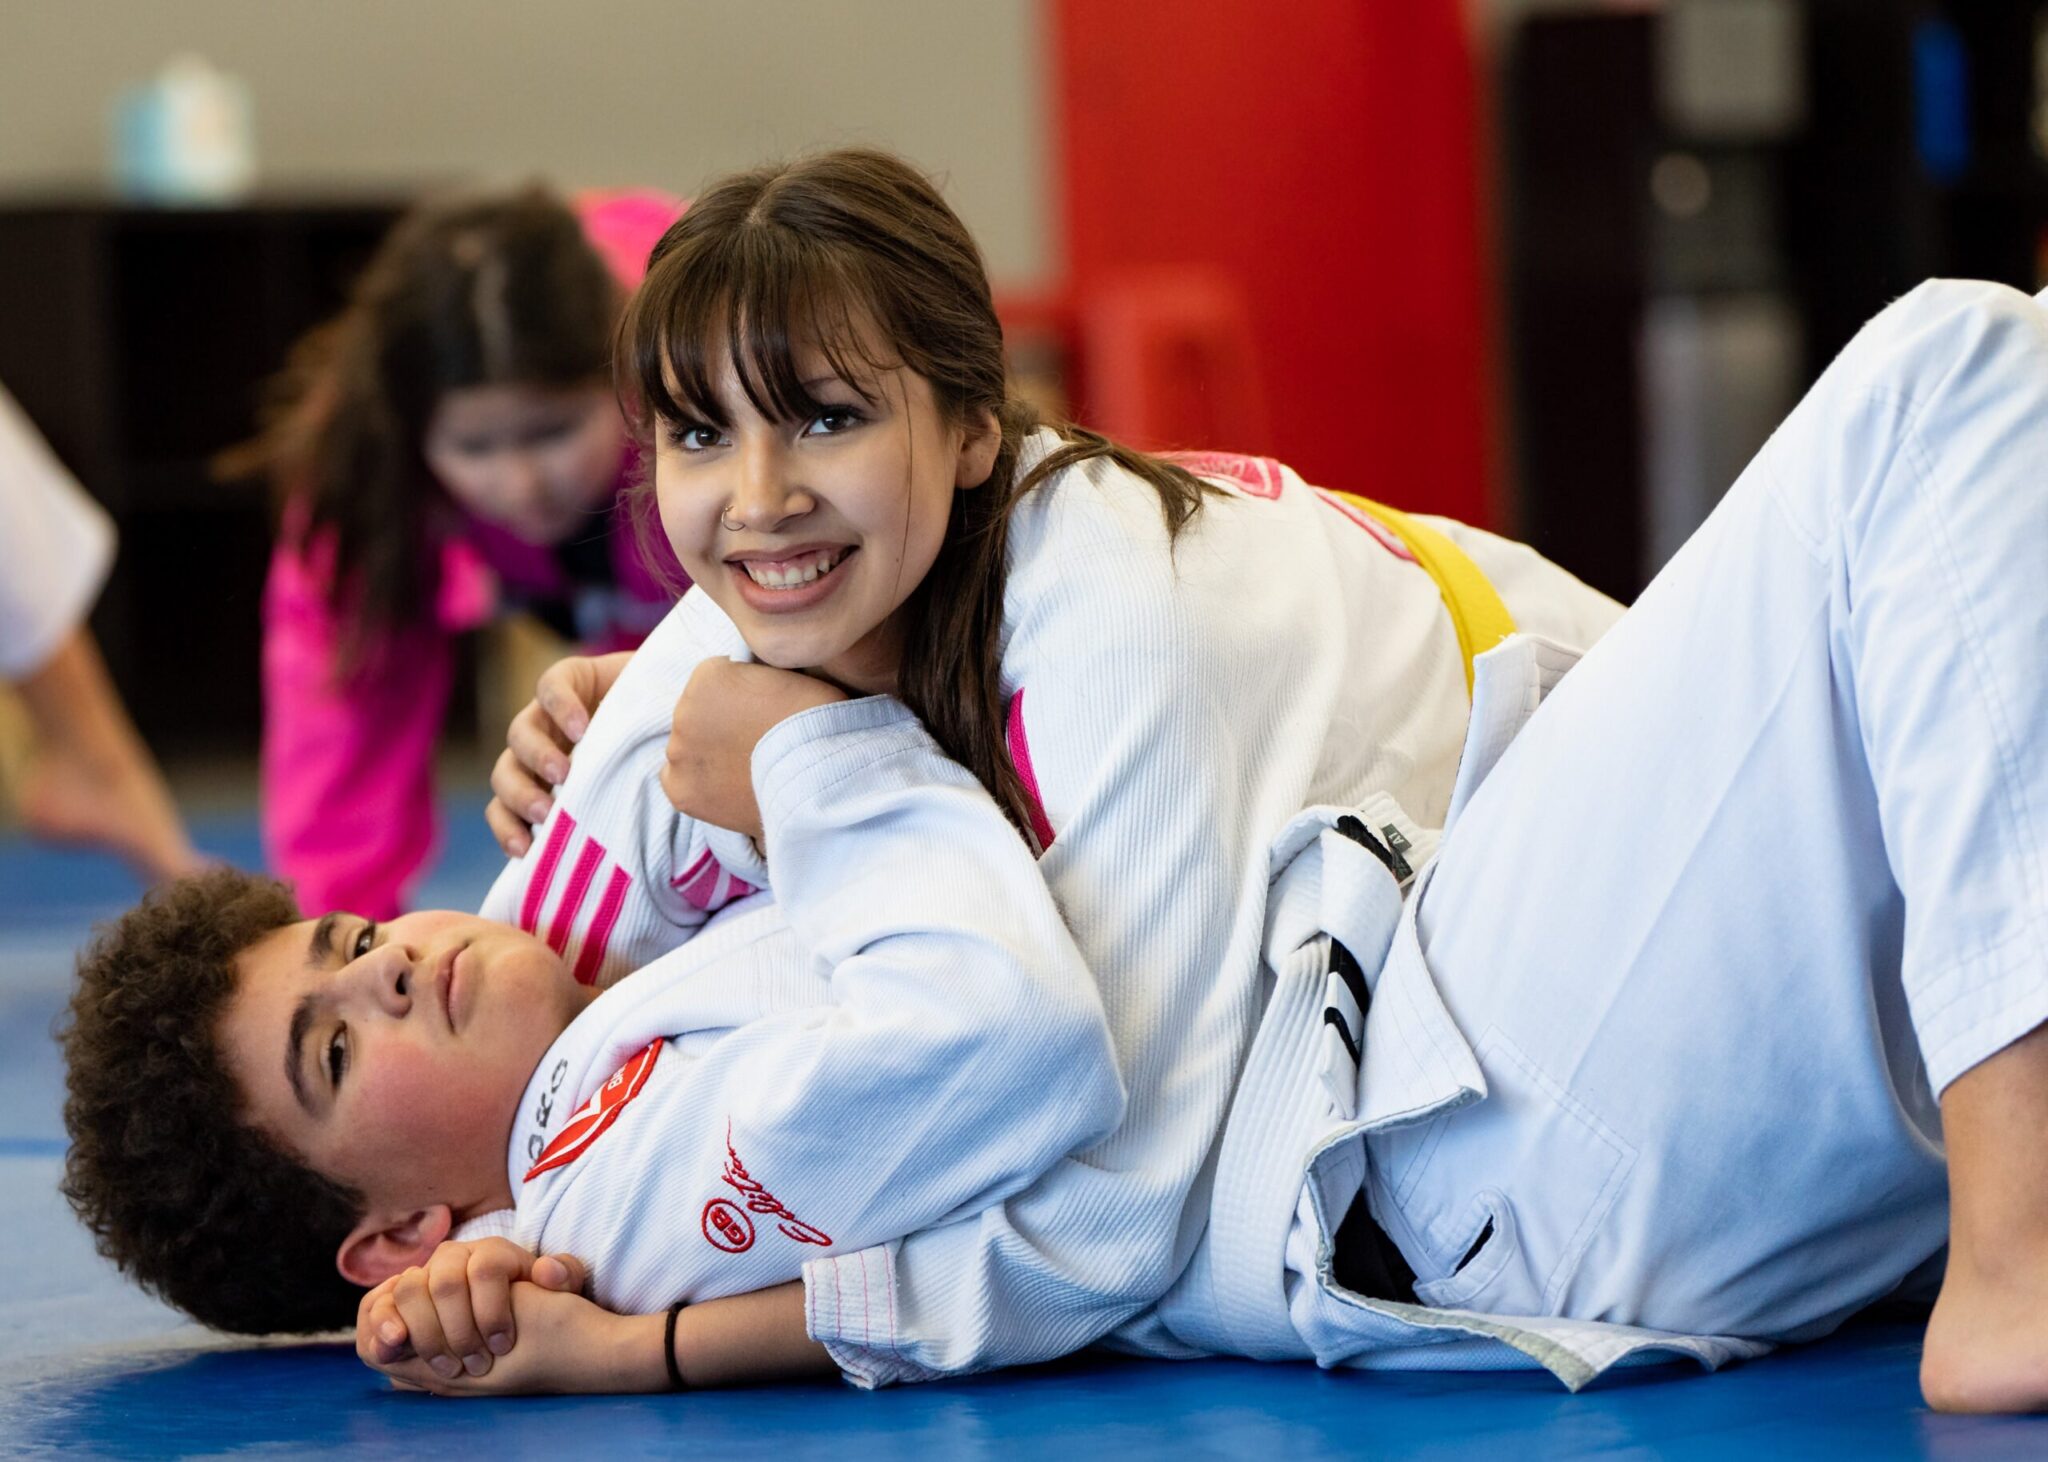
447,446
79,772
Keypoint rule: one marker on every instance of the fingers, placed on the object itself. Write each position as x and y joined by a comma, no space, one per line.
539,745
511,831
381,1337
452,1274
412,1374
563,1272
675,786
414,1298
494,1265
566,691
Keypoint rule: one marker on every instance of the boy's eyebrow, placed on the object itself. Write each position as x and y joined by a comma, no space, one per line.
320,948
319,953
295,1049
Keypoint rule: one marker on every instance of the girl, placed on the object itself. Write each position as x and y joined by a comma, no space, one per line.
1151,670
447,442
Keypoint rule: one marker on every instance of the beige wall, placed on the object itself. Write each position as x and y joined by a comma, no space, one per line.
666,92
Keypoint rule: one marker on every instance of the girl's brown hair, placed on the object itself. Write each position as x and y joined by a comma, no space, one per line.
771,261
493,290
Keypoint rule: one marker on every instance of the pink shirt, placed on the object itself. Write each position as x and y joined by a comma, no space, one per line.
347,767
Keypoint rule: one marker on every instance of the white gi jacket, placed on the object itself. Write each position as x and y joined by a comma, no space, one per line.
919,1040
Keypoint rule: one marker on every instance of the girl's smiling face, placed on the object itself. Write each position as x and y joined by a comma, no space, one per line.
811,532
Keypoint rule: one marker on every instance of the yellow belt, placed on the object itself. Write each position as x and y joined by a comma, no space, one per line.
1477,612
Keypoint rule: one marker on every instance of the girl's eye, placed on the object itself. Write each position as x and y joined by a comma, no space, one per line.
833,420
692,437
364,942
337,1055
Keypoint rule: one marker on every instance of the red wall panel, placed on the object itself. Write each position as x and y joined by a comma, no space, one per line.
1323,155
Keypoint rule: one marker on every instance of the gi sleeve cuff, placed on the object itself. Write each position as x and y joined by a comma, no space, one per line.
850,1309
809,752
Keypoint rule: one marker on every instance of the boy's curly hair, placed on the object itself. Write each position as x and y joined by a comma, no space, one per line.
189,1200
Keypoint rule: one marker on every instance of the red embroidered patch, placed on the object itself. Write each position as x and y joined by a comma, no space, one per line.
760,1200
1256,476
597,1114
726,1227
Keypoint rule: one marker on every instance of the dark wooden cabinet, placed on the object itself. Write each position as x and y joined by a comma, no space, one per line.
138,339
1675,280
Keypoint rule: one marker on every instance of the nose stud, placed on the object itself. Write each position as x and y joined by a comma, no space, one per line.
727,523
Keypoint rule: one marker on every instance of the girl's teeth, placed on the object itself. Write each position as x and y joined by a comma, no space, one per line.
796,573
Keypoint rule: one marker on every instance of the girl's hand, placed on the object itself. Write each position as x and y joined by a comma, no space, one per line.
537,744
724,712
454,1314
567,1344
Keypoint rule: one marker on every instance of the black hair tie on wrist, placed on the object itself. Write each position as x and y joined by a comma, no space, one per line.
668,1349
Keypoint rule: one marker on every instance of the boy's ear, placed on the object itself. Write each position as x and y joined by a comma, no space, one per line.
384,1244
981,438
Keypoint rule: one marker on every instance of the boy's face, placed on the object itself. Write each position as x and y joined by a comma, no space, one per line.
391,1057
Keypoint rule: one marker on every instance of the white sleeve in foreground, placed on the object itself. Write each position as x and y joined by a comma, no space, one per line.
919,1092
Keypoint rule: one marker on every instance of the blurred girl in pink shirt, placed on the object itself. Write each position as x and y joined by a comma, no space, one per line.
447,447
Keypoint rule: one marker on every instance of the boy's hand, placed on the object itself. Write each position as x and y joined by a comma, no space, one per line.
724,712
567,1344
537,744
454,1315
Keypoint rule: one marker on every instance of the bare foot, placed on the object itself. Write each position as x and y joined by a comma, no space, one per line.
1987,1347
66,799
1987,1341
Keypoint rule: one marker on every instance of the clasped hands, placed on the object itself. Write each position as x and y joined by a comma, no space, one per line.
707,773
489,1318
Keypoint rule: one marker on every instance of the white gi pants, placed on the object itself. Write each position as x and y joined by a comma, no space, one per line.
1762,875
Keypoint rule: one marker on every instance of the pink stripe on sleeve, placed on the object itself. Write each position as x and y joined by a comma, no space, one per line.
704,887
572,896
696,867
544,872
1020,758
592,959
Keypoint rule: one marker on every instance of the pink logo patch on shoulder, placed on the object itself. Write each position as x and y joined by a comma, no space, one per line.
1255,476
595,1116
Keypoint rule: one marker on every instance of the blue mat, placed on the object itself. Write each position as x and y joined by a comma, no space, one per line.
90,1367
